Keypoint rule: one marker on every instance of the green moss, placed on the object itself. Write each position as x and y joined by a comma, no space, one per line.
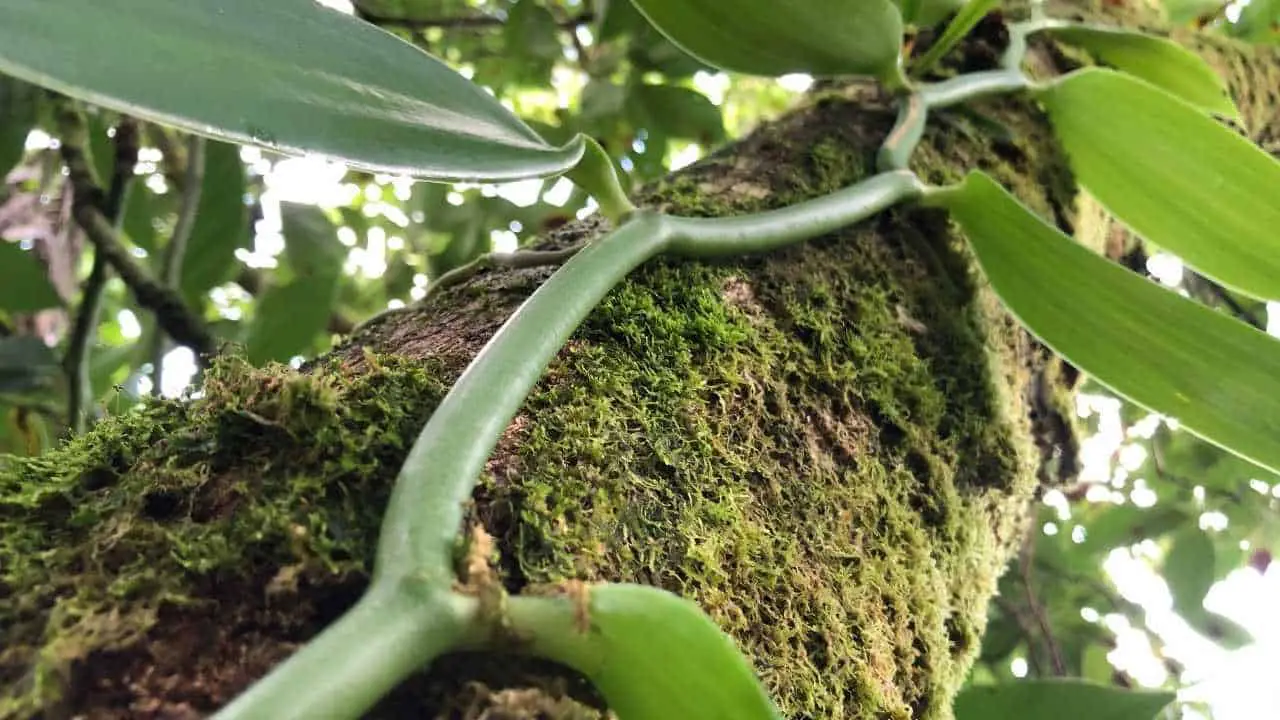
805,453
812,445
152,509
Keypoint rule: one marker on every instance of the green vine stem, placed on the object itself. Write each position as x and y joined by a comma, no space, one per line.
409,615
596,174
391,633
913,108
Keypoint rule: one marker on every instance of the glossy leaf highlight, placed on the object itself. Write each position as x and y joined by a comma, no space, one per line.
821,37
1173,174
1217,376
289,75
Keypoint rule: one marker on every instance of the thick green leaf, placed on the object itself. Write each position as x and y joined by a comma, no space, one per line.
26,365
1184,11
1159,61
19,109
677,112
1058,700
1174,175
1094,665
663,658
101,148
1187,456
1219,377
221,226
532,44
289,318
1002,636
821,37
143,211
1124,525
1189,569
289,75
1259,22
531,30
24,283
311,242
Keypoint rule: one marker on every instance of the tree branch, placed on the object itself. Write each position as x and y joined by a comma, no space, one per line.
1034,608
171,313
76,361
176,249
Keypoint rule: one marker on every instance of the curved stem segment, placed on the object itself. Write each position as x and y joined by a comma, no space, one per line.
393,632
901,142
426,505
409,615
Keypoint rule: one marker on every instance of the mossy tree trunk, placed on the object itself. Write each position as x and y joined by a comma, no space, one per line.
831,448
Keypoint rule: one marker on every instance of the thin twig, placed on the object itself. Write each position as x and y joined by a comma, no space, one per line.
1234,305
76,361
511,261
172,314
1025,628
176,249
1036,609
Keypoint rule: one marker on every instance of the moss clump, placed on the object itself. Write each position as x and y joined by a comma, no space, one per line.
808,453
176,503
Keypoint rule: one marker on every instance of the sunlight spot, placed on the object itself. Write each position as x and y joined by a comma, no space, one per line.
1132,456
1055,499
1018,666
39,140
686,156
1166,268
130,328
522,193
503,241
1214,521
559,193
796,82
1143,496
157,184
339,5
1050,529
179,369
713,85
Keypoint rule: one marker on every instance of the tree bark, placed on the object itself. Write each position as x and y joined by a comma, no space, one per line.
831,448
